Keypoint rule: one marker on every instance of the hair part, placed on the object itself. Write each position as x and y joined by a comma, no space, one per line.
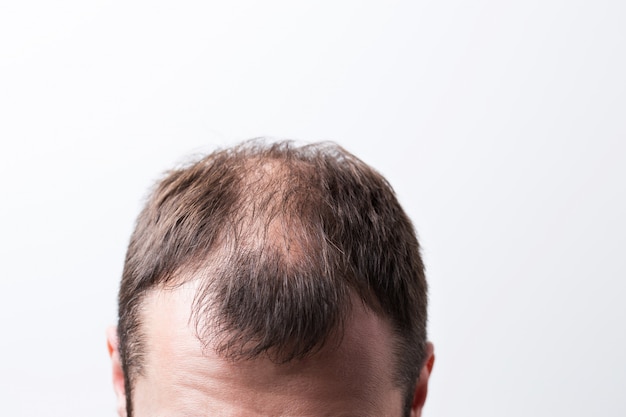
278,235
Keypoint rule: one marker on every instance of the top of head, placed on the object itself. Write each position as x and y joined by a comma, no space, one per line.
278,236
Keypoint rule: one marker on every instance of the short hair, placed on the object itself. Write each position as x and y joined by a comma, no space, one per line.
281,235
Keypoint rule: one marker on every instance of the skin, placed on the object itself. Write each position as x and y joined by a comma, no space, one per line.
352,378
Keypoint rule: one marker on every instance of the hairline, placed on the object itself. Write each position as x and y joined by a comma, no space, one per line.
186,276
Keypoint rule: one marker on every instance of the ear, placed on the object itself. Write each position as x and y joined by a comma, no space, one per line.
118,373
421,389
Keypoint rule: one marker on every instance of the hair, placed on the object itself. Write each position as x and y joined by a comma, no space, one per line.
280,236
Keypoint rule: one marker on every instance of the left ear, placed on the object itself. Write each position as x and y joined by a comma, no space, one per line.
421,389
118,373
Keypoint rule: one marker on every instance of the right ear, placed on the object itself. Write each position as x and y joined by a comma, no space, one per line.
421,388
118,373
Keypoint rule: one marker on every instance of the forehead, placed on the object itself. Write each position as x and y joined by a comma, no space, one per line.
351,376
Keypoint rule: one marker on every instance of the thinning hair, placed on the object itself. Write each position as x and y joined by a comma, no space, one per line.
279,235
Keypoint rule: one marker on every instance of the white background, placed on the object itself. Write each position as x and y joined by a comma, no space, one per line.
500,124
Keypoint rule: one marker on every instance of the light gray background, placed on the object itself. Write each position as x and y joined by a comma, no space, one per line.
499,123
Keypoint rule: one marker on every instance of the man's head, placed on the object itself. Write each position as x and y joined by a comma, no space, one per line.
272,280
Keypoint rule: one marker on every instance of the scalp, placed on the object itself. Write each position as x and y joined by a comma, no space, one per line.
278,236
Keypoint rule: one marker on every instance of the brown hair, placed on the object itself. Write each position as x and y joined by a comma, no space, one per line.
280,235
